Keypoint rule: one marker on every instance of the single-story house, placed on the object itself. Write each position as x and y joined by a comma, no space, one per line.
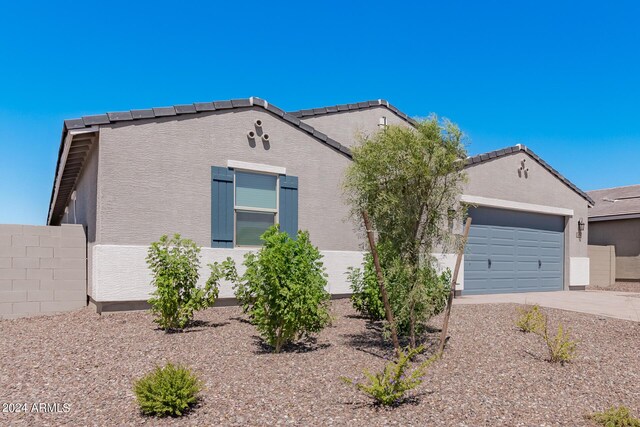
615,221
221,172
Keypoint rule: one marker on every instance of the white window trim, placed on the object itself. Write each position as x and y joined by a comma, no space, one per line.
515,206
256,167
276,211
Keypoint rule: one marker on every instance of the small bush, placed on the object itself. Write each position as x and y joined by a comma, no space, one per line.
174,264
283,288
430,299
616,417
561,348
390,386
530,319
168,391
365,291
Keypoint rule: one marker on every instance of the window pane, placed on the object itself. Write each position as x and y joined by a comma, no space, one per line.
255,190
251,225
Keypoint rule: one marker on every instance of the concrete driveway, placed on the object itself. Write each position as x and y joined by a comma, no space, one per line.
619,305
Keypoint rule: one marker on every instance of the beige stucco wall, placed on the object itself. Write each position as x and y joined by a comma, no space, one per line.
625,236
602,265
155,176
345,126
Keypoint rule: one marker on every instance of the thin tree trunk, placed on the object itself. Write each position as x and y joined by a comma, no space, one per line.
383,289
445,326
412,325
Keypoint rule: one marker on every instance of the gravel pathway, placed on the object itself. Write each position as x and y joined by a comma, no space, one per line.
491,375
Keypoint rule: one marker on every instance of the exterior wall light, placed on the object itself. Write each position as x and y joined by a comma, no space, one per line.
580,228
382,123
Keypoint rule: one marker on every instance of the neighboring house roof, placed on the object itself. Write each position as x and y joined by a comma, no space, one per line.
481,158
615,203
303,114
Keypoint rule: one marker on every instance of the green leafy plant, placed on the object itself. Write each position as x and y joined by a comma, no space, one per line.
429,300
174,264
615,417
283,288
167,391
561,347
365,291
390,386
530,319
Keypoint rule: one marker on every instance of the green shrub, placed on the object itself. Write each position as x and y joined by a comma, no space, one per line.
365,291
561,348
616,417
171,390
283,288
174,264
530,319
429,300
390,386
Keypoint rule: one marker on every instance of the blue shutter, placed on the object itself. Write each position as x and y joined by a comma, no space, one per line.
221,207
288,211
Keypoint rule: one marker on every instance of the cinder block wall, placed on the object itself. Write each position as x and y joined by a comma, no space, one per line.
43,269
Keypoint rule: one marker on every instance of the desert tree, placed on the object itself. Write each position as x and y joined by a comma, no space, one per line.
409,180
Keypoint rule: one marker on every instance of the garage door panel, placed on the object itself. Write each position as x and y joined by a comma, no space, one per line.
502,234
526,252
502,283
527,266
505,250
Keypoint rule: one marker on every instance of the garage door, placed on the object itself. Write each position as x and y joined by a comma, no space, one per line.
511,251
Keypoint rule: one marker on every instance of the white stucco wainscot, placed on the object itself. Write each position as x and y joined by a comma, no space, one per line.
120,272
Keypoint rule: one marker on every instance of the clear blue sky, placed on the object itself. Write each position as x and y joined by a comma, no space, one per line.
562,78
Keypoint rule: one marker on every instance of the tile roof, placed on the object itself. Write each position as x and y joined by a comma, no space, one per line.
199,107
88,122
615,203
303,114
480,158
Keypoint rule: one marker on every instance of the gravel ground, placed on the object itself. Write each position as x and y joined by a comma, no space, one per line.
491,374
619,287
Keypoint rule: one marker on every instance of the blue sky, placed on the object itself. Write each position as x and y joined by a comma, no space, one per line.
562,78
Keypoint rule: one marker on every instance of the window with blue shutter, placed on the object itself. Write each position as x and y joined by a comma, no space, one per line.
221,207
288,215
245,204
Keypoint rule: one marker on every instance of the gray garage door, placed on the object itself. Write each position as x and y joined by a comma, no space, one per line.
511,251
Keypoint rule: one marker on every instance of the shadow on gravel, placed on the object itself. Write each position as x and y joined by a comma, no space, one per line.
356,316
206,324
241,319
413,400
195,326
371,341
306,346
